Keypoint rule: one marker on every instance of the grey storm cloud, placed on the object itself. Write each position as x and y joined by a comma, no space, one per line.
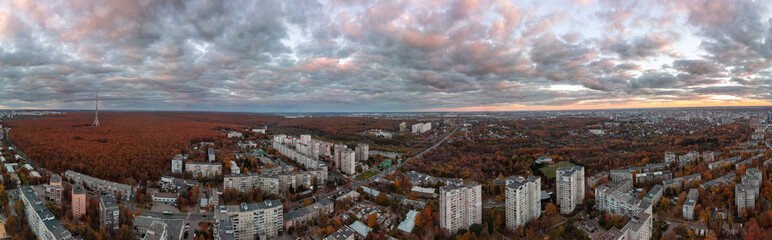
305,55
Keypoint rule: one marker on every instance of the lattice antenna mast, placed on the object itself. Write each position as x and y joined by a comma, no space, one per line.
96,113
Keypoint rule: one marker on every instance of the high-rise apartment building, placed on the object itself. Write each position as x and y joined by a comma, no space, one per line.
570,188
78,201
362,151
348,161
460,206
523,200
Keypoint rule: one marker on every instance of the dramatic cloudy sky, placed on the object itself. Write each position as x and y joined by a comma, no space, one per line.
368,55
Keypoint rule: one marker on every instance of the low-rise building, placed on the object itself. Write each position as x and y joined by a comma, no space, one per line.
424,192
235,168
235,134
544,160
723,180
310,212
621,175
344,233
690,203
724,163
616,202
669,157
595,179
679,181
653,176
165,197
177,163
224,230
654,195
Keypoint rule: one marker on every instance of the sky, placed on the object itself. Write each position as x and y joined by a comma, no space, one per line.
369,55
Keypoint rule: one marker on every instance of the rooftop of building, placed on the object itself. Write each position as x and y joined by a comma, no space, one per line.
341,234
611,234
454,187
360,228
49,220
225,229
691,198
108,201
246,207
409,223
78,189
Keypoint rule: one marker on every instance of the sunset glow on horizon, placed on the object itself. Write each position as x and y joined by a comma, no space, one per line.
334,56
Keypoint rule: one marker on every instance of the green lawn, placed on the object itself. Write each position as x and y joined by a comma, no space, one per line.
366,175
549,172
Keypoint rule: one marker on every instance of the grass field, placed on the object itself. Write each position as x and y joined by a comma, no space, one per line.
366,175
549,172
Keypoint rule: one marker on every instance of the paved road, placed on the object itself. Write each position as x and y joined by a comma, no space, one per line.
188,216
356,184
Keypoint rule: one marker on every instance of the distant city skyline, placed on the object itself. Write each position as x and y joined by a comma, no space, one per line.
384,56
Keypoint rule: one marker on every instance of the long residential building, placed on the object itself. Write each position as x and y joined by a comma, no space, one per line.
274,183
523,200
460,206
680,181
305,214
42,222
728,162
300,158
653,176
723,180
124,190
244,182
261,220
570,188
748,161
203,169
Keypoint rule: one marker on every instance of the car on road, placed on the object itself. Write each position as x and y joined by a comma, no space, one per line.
167,213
